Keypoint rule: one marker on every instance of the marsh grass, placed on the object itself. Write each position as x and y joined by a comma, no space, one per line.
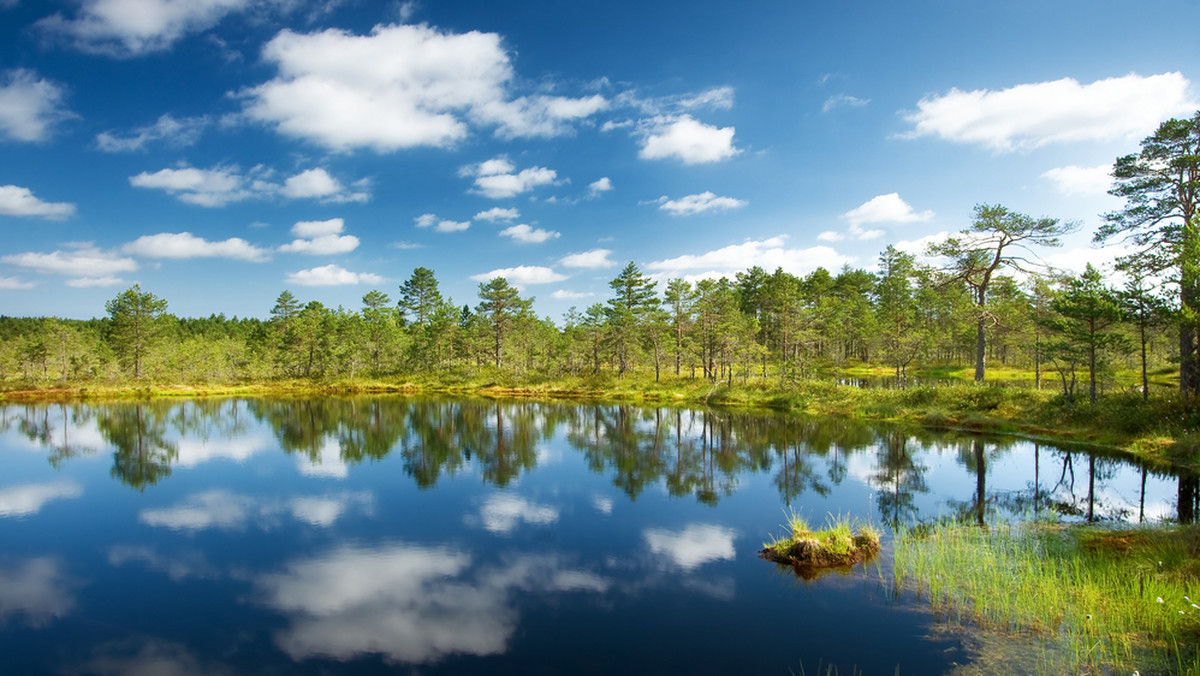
808,551
1092,599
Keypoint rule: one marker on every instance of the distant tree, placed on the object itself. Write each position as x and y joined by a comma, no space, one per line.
628,311
679,297
1086,313
500,304
1145,309
419,296
997,238
1161,188
136,322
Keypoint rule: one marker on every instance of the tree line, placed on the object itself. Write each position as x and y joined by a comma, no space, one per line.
988,301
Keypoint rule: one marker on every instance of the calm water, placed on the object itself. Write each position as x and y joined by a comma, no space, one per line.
384,535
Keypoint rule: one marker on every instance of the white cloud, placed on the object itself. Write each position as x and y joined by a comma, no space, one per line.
173,132
887,208
401,86
133,27
563,294
596,258
831,236
495,178
15,284
225,510
441,225
318,184
27,499
18,201
204,187
522,275
698,204
498,214
331,275
320,238
29,106
1029,116
599,186
92,282
767,254
84,261
187,245
840,100
524,233
917,247
1073,180
223,185
502,512
687,140
692,547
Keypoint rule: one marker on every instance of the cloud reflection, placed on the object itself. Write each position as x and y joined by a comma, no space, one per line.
693,546
38,590
224,509
502,512
27,499
408,603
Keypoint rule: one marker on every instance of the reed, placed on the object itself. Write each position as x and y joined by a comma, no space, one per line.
1091,599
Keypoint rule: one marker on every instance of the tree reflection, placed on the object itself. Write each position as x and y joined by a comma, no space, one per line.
899,477
143,454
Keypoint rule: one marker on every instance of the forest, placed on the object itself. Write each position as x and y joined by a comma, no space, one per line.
986,301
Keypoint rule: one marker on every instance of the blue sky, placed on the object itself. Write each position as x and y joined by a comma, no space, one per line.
217,152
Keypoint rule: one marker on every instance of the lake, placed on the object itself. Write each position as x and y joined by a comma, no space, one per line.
424,535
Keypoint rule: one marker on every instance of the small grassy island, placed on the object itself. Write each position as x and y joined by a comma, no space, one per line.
809,551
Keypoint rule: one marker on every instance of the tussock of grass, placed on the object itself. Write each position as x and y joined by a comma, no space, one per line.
836,545
1093,600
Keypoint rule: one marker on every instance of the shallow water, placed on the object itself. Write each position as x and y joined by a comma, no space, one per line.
372,535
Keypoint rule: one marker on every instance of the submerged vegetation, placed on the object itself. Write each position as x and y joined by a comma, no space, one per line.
1091,599
808,551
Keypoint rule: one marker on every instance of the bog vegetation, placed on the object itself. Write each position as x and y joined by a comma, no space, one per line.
986,304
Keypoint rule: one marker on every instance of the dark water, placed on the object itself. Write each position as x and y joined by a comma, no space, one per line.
388,535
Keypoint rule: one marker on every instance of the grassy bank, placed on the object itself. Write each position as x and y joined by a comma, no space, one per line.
1165,430
1089,599
808,551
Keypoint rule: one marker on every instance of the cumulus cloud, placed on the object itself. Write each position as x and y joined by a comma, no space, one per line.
498,179
600,186
563,294
685,139
698,204
1029,116
768,254
401,86
887,208
204,187
18,201
1074,180
123,28
522,275
91,266
440,225
319,184
30,106
39,590
15,284
331,275
596,258
177,133
320,238
187,245
223,185
841,100
524,233
498,214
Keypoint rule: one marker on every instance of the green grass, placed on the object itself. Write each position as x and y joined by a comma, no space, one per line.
1090,599
1165,430
836,545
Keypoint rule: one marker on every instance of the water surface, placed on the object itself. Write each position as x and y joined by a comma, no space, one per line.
376,535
